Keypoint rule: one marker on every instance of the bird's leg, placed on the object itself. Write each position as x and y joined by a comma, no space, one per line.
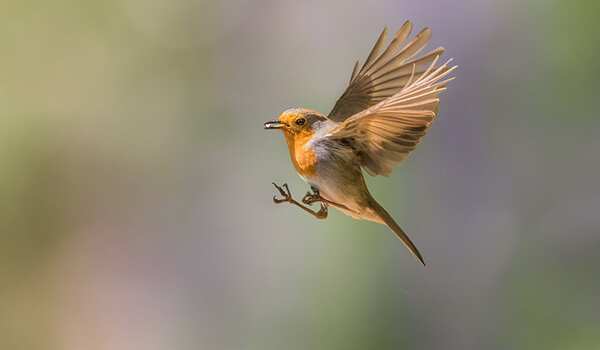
287,197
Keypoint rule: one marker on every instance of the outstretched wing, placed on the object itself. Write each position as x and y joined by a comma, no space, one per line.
384,73
388,132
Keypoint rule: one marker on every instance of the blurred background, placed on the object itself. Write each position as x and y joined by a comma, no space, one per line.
135,179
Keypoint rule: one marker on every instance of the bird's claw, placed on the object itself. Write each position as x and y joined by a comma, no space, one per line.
311,198
287,196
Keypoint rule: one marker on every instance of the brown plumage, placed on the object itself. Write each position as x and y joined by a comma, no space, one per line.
381,118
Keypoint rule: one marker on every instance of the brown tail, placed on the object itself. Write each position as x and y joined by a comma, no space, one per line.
389,221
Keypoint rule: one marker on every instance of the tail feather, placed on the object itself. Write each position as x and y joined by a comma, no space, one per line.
391,223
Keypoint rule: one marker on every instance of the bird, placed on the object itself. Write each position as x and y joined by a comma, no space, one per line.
381,118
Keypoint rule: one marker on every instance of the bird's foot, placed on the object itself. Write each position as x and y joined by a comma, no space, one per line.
311,198
284,190
287,196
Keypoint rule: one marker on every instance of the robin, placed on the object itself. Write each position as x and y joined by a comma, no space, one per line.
383,115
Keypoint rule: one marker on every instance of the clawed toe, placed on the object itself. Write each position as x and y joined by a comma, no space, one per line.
286,195
310,198
305,200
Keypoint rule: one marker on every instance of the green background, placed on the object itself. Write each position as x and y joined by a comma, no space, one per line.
135,180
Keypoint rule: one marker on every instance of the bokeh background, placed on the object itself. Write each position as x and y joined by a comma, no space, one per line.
135,179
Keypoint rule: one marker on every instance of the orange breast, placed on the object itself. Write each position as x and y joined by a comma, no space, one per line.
303,158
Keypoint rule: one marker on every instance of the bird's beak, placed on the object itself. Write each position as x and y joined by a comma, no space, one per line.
275,124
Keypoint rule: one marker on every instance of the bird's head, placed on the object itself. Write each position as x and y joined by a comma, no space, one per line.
297,121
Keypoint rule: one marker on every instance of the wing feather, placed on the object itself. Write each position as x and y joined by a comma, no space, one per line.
375,51
386,133
385,72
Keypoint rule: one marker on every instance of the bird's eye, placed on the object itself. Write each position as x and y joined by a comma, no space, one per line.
300,121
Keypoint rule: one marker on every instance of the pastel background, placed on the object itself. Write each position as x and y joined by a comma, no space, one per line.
135,179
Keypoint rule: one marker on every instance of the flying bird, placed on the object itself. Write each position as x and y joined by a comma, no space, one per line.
380,119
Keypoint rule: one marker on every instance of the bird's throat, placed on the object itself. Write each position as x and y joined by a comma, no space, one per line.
303,157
